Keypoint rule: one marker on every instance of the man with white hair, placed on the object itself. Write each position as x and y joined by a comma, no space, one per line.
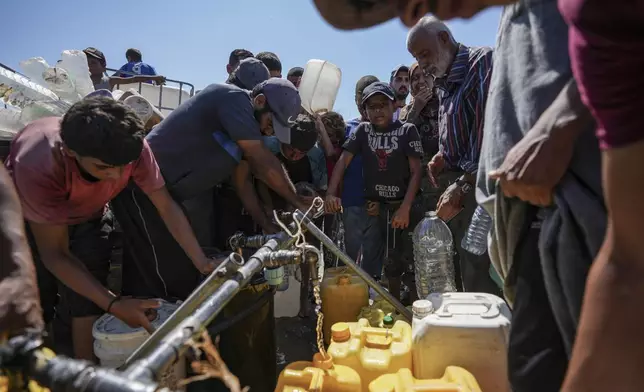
462,76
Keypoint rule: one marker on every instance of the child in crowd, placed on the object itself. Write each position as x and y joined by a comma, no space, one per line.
331,126
391,153
304,169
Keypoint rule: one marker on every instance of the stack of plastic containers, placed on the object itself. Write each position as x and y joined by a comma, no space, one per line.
361,358
371,351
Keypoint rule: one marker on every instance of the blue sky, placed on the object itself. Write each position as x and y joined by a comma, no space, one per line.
190,40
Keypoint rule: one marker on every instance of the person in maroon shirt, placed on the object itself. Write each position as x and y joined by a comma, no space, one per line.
65,171
606,49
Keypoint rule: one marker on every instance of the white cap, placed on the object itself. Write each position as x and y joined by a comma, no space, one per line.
422,308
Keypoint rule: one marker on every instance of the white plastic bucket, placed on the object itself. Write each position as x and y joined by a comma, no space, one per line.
114,341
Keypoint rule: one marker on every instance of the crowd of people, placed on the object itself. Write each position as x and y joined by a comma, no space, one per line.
565,208
509,128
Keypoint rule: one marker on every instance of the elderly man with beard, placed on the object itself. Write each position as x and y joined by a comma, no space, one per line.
462,76
399,82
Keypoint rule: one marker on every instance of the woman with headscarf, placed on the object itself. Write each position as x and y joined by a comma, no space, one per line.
422,111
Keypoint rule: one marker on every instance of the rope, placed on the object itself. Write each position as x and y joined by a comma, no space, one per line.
299,233
300,243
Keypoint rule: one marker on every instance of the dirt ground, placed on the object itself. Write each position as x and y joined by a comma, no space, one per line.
295,338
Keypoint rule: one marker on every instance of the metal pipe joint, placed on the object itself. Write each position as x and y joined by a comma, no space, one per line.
309,255
240,240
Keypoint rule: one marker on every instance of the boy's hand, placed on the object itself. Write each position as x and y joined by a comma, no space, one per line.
332,204
159,79
400,220
319,125
207,265
133,312
373,208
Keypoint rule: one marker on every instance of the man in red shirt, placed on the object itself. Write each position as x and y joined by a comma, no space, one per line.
65,171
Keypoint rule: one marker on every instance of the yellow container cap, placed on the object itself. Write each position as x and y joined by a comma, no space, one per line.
340,332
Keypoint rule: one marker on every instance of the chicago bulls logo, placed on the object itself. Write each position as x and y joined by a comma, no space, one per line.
382,156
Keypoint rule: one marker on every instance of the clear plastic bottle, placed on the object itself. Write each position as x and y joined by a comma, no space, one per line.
433,256
475,240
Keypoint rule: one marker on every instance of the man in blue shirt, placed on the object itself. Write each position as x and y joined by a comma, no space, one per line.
360,228
197,147
135,65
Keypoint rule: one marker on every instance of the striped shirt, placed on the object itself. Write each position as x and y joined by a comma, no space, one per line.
463,94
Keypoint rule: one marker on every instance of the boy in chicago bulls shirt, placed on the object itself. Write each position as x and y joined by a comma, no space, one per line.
391,153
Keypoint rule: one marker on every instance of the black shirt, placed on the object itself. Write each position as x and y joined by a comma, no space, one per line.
196,145
385,158
298,171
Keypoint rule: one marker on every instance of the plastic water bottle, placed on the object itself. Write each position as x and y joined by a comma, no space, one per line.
433,256
475,240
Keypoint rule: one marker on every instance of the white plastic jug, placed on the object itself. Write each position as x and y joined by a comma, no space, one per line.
33,68
62,83
141,107
165,98
75,63
469,330
319,86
